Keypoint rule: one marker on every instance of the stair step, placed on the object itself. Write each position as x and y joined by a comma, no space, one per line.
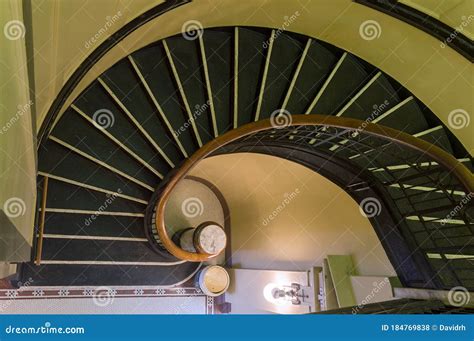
75,225
92,251
125,84
437,136
162,83
371,101
96,113
109,275
187,60
219,46
406,117
285,56
347,78
68,196
252,53
314,71
58,160
76,133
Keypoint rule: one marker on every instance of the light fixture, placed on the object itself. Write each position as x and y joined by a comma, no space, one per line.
292,294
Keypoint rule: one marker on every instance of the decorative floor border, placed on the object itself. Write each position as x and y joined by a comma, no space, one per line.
100,293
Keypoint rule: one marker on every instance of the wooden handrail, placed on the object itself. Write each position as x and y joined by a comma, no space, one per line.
39,248
437,154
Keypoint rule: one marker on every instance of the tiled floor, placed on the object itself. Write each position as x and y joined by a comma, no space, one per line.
105,300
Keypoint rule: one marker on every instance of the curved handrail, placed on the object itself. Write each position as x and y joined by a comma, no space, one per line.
437,154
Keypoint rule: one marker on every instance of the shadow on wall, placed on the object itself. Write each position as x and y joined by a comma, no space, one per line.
287,217
13,246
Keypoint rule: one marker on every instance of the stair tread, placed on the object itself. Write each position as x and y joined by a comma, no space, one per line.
162,84
57,160
376,99
439,138
94,275
345,82
97,104
316,68
99,250
67,196
75,225
78,133
219,52
123,81
188,62
286,54
251,61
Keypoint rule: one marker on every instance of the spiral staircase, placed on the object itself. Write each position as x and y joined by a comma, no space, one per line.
104,166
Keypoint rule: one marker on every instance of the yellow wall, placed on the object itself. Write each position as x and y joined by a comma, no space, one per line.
65,32
17,145
310,226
